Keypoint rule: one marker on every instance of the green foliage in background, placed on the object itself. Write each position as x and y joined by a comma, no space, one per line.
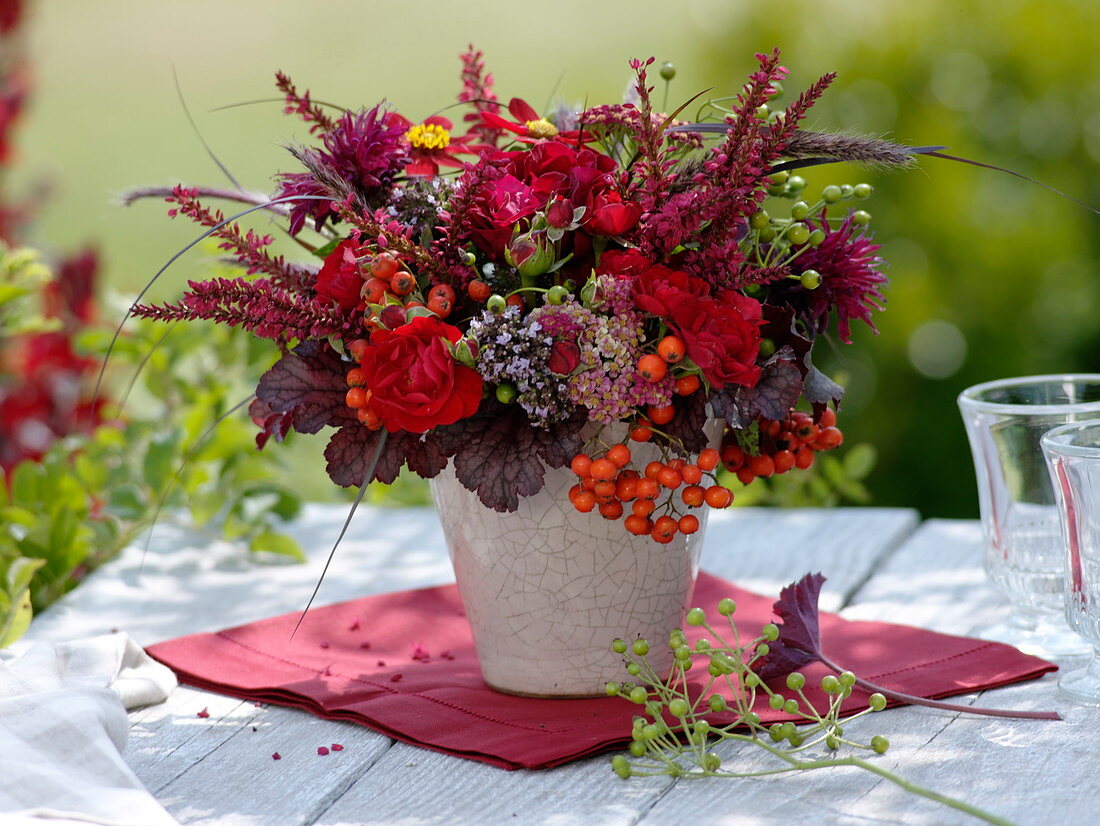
168,456
836,478
22,275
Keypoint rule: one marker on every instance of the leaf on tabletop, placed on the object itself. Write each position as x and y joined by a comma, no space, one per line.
799,644
351,450
497,453
799,640
308,385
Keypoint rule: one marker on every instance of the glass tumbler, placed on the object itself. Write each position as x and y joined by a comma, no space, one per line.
1073,457
1024,556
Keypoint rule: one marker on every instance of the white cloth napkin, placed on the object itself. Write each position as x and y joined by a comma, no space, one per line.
63,726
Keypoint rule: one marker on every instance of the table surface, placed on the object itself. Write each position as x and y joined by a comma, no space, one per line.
881,564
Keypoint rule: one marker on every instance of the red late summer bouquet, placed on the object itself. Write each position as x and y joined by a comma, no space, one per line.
526,290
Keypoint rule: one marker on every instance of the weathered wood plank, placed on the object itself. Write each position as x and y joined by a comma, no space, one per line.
763,550
233,780
1029,772
412,785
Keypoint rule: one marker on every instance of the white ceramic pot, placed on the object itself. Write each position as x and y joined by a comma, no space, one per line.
546,589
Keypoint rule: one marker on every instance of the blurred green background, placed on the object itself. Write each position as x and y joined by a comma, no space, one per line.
990,276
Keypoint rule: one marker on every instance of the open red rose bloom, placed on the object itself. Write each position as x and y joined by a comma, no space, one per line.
535,277
415,384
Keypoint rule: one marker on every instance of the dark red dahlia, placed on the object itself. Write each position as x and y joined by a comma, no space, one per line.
847,261
365,150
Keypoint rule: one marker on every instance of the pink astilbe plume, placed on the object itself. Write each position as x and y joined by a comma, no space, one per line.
850,280
259,306
477,90
654,167
247,247
301,104
365,150
726,190
712,214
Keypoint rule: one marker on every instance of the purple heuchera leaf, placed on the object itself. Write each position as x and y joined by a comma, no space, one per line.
308,384
497,454
351,451
799,640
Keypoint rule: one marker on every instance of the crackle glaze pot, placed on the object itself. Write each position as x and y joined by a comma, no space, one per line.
546,588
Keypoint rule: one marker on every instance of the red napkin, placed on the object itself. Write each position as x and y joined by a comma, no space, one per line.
404,664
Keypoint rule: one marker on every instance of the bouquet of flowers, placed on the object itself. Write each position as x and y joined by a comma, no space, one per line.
529,290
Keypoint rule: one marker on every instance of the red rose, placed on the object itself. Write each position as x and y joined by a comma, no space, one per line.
660,290
749,308
500,206
564,357
609,214
414,381
723,338
624,263
339,279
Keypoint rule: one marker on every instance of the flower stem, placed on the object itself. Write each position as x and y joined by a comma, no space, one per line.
953,802
924,701
858,762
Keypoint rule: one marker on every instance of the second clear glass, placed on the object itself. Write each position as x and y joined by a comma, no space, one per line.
1073,457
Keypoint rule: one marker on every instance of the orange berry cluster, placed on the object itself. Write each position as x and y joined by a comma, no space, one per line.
671,350
608,483
786,444
358,397
384,277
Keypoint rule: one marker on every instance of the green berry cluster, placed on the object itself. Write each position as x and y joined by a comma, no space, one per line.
778,242
672,735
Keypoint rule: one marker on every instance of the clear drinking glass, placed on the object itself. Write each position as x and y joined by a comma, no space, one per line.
1024,555
1073,457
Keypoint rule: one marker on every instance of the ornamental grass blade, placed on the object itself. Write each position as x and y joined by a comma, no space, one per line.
799,644
195,448
381,446
179,254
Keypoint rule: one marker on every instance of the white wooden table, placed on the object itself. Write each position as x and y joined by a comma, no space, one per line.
881,564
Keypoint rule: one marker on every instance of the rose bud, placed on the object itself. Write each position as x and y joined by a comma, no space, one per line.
392,316
560,214
609,215
564,357
466,352
531,254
